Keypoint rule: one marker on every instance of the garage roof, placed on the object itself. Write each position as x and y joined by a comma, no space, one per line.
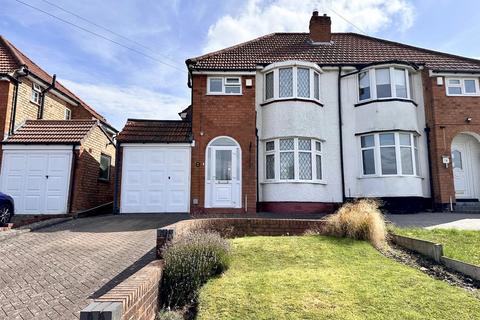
156,131
52,132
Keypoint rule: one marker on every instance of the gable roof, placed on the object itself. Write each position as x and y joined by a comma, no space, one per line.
344,49
156,131
52,132
11,58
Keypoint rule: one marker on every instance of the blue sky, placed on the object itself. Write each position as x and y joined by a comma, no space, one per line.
120,83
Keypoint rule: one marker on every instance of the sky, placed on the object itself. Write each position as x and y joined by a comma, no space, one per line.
121,83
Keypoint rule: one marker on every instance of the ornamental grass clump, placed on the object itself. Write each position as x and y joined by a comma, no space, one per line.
169,315
190,261
361,220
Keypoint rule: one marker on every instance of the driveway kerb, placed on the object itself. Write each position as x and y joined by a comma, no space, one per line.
31,227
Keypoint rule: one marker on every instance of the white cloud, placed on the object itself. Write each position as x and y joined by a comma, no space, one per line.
257,18
118,103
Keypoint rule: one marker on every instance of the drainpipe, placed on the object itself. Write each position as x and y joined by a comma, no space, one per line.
258,179
116,209
72,179
429,157
44,92
340,125
21,72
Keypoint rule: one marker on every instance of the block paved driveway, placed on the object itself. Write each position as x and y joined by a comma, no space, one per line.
53,273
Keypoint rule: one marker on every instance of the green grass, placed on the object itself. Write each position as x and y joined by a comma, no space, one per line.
316,277
462,245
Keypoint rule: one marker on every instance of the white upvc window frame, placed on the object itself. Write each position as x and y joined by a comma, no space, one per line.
414,149
373,82
294,65
296,164
225,85
462,87
36,96
68,114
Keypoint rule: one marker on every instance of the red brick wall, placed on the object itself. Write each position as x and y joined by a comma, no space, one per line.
88,190
233,116
446,116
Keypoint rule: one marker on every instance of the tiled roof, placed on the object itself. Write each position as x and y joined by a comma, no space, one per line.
159,131
345,48
52,132
12,58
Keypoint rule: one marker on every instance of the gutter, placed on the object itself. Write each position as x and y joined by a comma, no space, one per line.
44,92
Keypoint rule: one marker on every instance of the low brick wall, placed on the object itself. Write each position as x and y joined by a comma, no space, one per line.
238,227
136,298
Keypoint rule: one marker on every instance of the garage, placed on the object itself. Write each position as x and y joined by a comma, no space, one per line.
37,178
155,166
53,167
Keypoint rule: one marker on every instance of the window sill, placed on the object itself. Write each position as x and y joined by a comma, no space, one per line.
463,95
35,103
291,99
373,176
103,180
223,94
294,182
385,100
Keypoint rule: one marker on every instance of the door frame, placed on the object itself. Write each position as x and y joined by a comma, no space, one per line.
42,148
148,146
207,185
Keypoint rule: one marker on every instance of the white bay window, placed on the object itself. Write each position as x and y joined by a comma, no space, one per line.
293,159
384,83
290,82
390,153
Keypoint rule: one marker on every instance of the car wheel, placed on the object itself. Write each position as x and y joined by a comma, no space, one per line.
5,214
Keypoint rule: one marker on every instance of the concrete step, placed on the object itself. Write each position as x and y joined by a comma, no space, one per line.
468,207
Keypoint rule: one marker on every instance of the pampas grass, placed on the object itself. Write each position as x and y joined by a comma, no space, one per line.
361,220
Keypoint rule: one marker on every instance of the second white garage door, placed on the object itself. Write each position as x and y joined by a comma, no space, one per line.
155,179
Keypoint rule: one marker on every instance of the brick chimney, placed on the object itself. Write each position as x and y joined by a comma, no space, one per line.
320,28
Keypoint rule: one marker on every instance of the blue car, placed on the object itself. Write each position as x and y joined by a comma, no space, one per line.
6,209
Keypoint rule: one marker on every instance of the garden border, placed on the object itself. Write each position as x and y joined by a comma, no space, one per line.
435,252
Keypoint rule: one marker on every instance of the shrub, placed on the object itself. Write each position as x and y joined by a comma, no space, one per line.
169,315
190,261
360,220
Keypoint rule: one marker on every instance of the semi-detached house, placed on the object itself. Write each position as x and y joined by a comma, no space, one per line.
301,122
57,153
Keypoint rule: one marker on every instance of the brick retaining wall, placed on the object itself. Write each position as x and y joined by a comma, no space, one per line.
238,227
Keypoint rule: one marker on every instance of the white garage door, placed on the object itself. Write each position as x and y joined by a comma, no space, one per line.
155,179
38,180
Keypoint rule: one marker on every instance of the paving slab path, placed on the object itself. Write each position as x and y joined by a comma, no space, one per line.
53,273
430,220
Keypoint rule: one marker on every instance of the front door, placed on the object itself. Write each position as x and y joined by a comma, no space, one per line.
461,172
224,164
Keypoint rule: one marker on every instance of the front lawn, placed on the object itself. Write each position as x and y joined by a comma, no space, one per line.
463,245
317,277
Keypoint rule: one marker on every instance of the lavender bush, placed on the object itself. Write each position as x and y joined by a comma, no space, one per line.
190,261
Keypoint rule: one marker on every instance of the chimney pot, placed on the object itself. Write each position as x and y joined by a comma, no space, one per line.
320,28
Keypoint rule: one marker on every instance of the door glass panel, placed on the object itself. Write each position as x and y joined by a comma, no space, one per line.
223,165
457,159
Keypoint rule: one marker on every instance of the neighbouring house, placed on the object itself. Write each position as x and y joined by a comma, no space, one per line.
301,122
57,154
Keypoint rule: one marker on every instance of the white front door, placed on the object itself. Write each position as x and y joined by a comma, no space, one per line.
155,178
223,165
223,177
38,180
465,161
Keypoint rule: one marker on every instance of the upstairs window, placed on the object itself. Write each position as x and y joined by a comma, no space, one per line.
384,83
224,86
68,114
292,82
285,83
36,93
462,87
